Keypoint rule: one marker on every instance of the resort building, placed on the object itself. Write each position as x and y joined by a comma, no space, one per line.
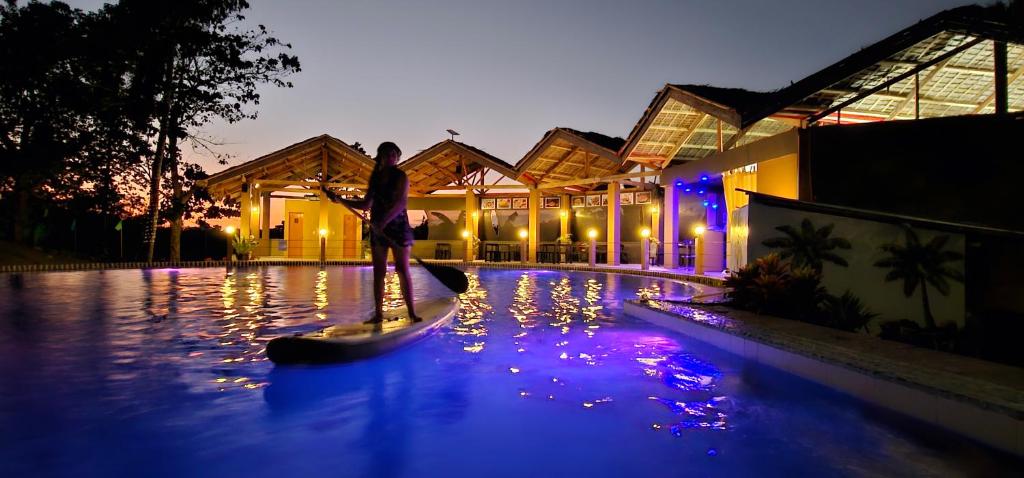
907,118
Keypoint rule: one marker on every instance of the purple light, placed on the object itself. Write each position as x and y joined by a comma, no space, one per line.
688,190
700,191
679,183
704,178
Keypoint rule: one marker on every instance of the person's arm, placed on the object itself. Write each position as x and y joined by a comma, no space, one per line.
400,200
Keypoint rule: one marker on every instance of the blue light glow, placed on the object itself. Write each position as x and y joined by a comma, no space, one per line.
679,183
700,191
704,178
705,203
714,206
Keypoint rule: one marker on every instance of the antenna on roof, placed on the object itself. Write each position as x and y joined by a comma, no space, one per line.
453,133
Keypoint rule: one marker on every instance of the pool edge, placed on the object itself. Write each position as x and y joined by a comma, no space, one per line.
990,427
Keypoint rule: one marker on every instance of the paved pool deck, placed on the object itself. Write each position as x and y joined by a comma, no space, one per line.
975,398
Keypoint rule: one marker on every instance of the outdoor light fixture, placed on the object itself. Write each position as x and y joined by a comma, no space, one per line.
476,214
230,230
699,229
592,233
714,206
257,185
563,213
645,232
705,203
679,183
323,232
465,234
700,191
704,178
255,209
523,233
654,209
687,190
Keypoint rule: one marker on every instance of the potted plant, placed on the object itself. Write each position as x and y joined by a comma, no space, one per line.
243,247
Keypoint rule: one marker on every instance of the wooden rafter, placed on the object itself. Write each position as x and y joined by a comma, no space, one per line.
896,79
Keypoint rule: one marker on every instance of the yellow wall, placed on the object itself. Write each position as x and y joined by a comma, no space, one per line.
780,176
311,227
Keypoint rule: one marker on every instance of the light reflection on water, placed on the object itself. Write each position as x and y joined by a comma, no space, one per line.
171,364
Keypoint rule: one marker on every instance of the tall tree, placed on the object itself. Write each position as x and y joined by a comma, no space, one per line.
209,68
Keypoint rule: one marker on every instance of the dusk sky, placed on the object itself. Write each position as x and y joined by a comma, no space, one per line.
503,73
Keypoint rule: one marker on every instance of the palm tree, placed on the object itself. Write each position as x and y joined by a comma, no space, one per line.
921,264
807,246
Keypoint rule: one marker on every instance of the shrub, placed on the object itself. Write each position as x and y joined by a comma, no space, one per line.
770,285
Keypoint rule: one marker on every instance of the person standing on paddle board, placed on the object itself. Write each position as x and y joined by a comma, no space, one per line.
387,198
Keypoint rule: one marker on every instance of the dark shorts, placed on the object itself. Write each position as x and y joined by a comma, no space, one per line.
398,230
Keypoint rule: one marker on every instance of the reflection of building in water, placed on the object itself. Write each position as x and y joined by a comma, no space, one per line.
320,291
524,303
470,324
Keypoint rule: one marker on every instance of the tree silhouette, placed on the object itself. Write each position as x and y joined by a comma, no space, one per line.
918,264
807,246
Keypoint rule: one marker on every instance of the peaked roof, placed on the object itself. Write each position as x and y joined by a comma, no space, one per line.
682,121
302,161
950,40
451,162
566,154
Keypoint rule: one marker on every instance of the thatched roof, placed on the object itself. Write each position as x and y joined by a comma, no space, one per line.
566,154
452,163
302,161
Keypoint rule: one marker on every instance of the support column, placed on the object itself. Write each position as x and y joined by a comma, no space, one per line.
245,212
564,212
614,221
265,224
472,221
999,58
670,233
534,223
321,207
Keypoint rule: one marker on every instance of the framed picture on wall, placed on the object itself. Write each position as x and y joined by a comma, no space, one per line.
504,203
594,200
642,197
487,203
553,202
579,201
604,199
520,203
626,199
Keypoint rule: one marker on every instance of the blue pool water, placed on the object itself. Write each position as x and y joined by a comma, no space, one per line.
161,373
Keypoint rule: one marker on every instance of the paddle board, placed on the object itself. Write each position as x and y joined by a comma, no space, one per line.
349,342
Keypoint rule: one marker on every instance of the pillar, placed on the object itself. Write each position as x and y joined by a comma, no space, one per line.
655,220
999,58
564,212
614,221
245,212
322,209
265,224
670,231
472,221
534,223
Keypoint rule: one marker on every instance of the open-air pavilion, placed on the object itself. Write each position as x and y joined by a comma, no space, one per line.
679,171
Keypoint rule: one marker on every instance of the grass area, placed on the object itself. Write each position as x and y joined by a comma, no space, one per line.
14,253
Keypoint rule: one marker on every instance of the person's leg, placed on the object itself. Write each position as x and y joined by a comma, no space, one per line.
402,269
379,252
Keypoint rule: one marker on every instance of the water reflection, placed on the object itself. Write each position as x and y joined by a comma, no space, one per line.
470,323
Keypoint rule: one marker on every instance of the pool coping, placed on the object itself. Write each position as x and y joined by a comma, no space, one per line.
982,410
84,266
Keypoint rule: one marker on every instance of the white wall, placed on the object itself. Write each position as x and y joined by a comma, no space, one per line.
862,278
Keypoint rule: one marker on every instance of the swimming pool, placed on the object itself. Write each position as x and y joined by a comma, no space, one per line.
161,373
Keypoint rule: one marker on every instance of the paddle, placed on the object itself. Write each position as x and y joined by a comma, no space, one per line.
451,277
